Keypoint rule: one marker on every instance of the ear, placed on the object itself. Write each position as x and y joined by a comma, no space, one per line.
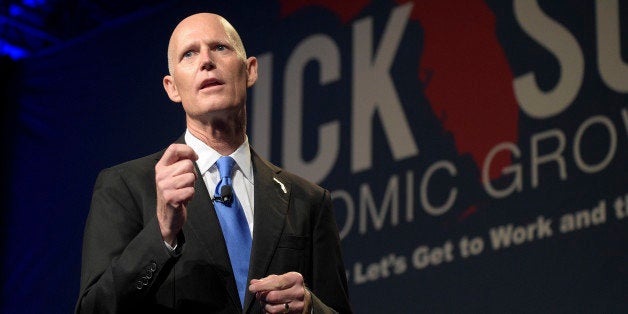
251,69
171,88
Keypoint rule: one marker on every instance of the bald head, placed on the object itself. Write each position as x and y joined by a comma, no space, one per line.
202,21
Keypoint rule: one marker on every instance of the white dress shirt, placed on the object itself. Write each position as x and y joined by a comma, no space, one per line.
242,175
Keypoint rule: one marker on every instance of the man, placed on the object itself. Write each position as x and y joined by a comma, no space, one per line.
155,240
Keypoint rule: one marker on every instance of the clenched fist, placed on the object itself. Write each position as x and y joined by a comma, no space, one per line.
174,176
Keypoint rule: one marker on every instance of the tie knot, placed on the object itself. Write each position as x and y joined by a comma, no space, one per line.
225,165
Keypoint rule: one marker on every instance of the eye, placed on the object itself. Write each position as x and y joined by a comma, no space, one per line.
221,47
188,54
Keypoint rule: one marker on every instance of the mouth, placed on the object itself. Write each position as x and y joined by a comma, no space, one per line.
208,83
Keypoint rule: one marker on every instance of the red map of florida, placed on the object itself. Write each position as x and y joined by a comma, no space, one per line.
467,76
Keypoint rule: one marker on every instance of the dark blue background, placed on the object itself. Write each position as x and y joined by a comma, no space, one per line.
99,101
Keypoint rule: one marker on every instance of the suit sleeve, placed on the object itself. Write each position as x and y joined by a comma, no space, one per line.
123,251
329,283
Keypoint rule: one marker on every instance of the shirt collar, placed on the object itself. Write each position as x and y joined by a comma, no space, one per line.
207,156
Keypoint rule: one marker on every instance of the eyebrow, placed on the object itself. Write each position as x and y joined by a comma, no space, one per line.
185,48
195,44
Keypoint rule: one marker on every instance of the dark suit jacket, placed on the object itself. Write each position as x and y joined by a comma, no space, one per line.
127,268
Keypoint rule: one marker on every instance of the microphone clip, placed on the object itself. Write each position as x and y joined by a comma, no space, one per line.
225,197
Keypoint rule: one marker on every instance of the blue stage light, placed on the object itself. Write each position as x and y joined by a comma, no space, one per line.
12,51
15,10
34,3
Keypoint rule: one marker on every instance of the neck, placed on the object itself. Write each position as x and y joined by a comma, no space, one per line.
221,136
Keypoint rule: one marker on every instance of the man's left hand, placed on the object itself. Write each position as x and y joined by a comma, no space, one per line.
282,293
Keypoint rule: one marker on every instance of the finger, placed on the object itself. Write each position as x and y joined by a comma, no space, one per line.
183,180
176,152
180,175
175,183
182,171
283,296
167,175
288,307
252,283
178,197
272,282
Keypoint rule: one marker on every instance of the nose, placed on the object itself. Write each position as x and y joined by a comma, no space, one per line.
207,63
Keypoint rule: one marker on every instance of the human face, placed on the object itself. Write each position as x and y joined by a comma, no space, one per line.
210,74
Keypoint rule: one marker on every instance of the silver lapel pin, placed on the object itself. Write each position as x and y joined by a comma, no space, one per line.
283,187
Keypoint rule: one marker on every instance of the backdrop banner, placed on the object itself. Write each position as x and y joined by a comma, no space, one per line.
476,151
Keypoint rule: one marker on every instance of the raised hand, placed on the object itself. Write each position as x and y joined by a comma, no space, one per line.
174,176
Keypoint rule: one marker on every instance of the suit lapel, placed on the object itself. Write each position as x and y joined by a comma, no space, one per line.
203,223
272,194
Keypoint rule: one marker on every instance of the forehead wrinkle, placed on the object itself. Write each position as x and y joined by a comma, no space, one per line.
183,29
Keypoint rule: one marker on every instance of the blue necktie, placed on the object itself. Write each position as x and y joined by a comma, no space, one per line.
233,223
